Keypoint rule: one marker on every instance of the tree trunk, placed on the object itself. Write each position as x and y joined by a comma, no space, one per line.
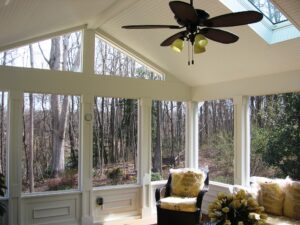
59,125
72,136
157,149
112,131
206,119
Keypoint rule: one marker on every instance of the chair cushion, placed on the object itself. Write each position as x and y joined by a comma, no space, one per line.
179,204
291,206
271,197
186,182
281,220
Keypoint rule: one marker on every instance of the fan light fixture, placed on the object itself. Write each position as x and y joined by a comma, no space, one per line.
198,42
196,25
177,45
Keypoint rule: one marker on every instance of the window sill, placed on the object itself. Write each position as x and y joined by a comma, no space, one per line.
49,193
116,187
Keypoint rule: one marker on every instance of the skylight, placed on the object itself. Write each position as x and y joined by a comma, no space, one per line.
269,11
274,27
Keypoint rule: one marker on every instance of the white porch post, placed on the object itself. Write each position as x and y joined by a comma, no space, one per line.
14,156
87,131
145,154
241,141
86,159
191,153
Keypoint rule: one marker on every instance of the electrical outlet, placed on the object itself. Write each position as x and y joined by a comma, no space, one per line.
99,201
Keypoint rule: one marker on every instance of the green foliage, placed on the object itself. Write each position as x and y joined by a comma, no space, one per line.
275,142
155,176
219,156
2,193
283,149
259,142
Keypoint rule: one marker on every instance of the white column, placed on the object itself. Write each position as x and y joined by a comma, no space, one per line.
14,156
191,153
86,159
241,141
145,154
88,52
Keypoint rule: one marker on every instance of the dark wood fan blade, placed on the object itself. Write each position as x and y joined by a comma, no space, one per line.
171,39
234,19
219,35
184,12
151,26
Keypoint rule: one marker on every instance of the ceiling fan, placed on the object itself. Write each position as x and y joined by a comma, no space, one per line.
198,26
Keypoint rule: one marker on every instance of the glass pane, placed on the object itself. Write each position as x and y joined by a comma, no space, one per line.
216,129
115,141
168,137
3,134
275,139
111,61
50,142
58,53
269,10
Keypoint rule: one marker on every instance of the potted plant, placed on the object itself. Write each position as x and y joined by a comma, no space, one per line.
236,209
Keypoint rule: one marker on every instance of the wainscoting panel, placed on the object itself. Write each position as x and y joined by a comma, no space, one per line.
118,203
59,209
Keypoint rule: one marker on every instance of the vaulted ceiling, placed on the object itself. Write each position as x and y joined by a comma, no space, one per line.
251,56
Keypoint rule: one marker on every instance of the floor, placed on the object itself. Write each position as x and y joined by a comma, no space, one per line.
144,221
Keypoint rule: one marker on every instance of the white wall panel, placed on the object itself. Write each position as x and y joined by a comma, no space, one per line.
118,203
51,210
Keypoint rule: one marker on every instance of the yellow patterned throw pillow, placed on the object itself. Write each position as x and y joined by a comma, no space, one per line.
292,200
271,197
187,182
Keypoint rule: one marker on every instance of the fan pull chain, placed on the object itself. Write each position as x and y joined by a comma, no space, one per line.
189,54
193,55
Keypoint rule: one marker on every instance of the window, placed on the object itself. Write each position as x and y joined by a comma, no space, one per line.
50,142
115,141
58,53
3,134
216,129
112,61
275,139
274,27
269,11
168,137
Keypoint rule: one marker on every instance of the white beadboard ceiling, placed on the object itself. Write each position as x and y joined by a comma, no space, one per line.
249,57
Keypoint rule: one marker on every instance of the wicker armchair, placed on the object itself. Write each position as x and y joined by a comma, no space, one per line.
175,214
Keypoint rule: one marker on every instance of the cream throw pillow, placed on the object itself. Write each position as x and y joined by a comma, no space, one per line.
187,182
291,206
271,197
179,204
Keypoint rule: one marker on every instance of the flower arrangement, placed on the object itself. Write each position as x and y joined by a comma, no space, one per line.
236,209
